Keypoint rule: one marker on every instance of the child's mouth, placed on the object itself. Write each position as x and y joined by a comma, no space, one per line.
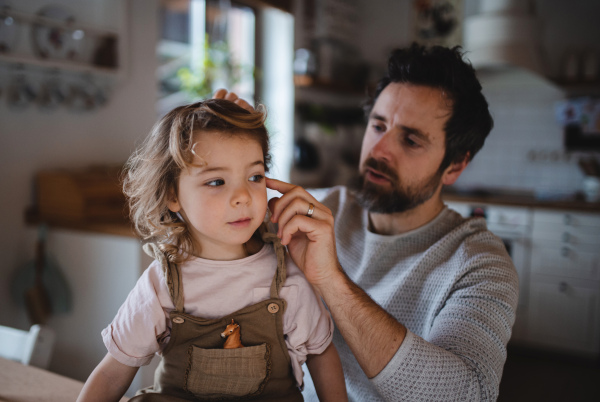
241,222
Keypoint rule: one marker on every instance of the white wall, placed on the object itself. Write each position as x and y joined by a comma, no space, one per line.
102,270
32,139
525,149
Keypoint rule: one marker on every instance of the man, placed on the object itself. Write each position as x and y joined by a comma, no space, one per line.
423,300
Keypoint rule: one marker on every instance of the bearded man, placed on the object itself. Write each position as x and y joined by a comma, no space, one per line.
423,299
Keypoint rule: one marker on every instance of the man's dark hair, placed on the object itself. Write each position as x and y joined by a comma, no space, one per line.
444,68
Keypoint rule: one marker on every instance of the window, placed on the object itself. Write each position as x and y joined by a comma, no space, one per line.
205,45
258,46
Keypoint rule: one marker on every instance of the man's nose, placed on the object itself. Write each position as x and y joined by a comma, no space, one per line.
384,145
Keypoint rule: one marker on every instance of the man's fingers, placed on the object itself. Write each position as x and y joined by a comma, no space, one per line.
297,224
297,206
242,103
272,203
279,185
220,93
231,96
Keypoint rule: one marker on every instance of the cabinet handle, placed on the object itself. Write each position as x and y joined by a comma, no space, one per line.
562,287
566,237
564,252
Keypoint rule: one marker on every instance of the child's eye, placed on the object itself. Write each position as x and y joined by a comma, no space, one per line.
257,178
216,183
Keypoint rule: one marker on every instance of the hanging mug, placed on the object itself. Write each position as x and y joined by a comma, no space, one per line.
20,92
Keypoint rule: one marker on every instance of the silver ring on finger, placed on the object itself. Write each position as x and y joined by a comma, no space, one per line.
311,209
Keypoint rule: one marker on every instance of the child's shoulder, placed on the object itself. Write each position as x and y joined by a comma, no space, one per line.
295,277
154,275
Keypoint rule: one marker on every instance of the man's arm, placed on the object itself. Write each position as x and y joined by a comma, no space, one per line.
372,334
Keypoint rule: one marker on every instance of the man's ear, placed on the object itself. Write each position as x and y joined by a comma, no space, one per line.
452,172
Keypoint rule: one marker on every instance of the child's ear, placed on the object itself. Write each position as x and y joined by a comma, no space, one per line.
173,203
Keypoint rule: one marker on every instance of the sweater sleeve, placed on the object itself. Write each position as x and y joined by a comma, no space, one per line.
463,353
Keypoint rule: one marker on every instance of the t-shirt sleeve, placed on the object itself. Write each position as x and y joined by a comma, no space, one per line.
140,328
308,326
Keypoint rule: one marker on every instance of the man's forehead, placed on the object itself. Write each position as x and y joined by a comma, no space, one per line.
411,98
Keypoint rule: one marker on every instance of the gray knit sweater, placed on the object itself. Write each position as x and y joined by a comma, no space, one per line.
454,287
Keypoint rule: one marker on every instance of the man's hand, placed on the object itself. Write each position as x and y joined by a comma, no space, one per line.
232,96
310,240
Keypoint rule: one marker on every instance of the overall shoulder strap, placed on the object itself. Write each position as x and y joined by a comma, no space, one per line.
171,274
280,273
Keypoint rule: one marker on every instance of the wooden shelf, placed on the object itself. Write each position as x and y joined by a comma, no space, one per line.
74,66
26,56
581,89
307,83
49,22
114,227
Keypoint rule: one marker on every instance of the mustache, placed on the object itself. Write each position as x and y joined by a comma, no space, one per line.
382,167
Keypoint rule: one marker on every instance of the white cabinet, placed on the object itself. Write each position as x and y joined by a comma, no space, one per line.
557,256
564,308
564,314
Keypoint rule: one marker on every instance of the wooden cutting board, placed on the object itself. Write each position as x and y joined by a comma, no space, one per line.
89,195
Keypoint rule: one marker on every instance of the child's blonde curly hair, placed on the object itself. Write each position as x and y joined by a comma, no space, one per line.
151,173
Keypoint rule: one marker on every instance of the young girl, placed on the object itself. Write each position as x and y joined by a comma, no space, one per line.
197,197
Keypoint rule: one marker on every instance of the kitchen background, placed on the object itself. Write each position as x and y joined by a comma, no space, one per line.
524,155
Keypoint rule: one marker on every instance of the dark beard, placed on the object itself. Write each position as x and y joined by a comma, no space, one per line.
375,198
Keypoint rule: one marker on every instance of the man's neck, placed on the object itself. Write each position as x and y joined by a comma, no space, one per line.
402,222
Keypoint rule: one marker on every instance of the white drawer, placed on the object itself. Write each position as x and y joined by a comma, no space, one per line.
565,260
570,219
575,235
564,314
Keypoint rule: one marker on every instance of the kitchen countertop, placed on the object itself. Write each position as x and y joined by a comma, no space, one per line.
574,204
118,227
124,227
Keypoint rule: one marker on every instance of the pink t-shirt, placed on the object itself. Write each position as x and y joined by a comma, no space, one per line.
213,289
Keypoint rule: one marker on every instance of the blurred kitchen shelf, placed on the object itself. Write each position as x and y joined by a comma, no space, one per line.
27,57
329,94
65,65
575,203
117,228
577,89
306,82
50,22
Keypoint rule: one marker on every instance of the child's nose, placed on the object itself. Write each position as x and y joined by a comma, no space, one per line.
241,195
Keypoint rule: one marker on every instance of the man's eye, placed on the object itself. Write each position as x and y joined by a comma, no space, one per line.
377,128
411,143
216,183
257,178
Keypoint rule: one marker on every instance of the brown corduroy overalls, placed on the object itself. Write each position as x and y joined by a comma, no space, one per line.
194,364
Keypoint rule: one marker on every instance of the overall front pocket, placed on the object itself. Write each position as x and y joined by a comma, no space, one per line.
221,373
